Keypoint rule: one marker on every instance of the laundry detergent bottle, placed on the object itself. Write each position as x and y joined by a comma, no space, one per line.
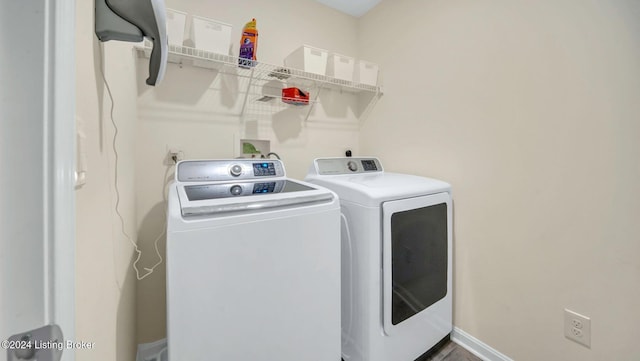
248,45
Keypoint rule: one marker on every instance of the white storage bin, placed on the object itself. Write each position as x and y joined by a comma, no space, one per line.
340,67
309,59
176,21
210,35
367,73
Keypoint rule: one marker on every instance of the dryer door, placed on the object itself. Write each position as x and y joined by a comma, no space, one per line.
416,263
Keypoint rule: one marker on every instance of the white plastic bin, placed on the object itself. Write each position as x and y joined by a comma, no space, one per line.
367,73
309,59
210,35
340,67
176,21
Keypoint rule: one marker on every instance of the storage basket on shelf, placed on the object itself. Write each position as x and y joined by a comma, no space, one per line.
210,35
309,59
340,67
366,73
176,21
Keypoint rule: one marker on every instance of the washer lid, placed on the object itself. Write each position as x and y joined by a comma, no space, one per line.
217,198
207,191
375,188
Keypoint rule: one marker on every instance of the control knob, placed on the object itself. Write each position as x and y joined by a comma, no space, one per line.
353,166
236,190
235,170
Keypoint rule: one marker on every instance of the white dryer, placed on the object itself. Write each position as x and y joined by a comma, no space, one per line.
253,264
396,259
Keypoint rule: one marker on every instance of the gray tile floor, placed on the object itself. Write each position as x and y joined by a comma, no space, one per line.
453,352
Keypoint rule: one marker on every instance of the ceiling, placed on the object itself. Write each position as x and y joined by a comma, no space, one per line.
355,8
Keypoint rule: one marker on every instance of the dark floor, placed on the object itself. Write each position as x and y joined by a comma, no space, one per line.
453,352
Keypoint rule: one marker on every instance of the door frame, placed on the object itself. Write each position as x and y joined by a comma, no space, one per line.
60,164
38,125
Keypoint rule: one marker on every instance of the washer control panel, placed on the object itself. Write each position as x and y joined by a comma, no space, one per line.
220,170
335,166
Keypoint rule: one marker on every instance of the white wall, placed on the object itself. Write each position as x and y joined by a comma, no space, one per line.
530,109
527,108
105,281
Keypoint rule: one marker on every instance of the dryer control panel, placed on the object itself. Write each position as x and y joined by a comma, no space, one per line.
336,166
221,170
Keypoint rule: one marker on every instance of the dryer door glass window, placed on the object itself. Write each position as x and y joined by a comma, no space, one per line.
418,260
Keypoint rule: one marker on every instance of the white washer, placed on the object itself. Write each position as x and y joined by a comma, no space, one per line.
396,259
253,264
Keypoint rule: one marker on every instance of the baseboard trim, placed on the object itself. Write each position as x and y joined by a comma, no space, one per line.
477,347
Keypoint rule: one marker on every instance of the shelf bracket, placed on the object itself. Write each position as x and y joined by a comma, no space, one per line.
370,104
246,95
313,103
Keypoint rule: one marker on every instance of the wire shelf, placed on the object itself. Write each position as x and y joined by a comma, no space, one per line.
266,71
260,74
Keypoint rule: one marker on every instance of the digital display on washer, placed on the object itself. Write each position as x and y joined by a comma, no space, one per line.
264,187
264,169
369,165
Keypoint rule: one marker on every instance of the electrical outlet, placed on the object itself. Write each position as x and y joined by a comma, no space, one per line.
577,327
174,155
